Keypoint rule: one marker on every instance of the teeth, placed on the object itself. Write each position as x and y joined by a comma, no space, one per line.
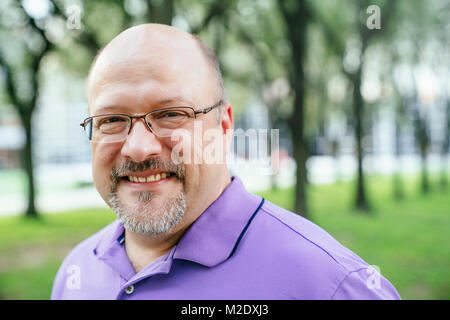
151,178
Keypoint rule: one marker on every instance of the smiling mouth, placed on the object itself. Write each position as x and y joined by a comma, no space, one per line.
150,178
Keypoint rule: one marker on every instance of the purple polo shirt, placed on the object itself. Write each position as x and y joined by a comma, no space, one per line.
241,247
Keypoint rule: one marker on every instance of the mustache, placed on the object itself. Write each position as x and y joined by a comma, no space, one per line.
150,164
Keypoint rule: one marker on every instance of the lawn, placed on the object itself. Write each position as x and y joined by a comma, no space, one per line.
31,251
408,240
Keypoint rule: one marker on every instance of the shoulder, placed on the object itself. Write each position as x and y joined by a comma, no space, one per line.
309,256
306,235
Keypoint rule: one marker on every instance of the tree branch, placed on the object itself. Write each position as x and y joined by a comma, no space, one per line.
216,8
10,85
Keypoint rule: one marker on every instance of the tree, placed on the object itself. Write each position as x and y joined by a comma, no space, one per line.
34,53
443,39
337,31
420,28
297,15
26,104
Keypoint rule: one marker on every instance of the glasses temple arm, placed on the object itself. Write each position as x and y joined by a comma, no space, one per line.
208,109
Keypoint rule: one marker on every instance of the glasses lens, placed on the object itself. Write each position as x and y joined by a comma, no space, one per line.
164,122
108,128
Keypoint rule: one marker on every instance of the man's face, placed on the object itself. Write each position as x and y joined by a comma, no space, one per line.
132,78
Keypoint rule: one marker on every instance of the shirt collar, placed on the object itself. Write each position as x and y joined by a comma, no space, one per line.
111,237
212,238
110,250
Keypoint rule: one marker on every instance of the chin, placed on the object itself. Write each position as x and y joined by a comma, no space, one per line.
139,216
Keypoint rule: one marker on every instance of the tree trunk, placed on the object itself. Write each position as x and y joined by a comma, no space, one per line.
423,140
425,185
444,152
300,156
297,17
300,150
27,164
358,109
397,180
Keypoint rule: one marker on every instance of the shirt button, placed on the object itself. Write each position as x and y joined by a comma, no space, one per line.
129,290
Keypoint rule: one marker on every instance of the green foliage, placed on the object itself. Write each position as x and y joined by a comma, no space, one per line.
106,19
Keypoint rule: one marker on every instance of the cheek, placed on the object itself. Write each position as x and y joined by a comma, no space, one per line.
192,179
103,161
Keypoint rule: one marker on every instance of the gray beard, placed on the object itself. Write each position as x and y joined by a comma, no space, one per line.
143,218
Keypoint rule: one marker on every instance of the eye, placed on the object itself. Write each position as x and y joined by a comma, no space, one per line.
109,122
112,119
171,114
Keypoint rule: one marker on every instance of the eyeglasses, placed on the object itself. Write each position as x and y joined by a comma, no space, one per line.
109,128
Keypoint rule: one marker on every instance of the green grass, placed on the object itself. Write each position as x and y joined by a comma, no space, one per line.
32,250
408,240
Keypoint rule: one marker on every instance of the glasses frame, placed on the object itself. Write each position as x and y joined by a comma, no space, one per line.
205,110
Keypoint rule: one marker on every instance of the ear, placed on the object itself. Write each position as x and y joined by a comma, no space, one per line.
227,124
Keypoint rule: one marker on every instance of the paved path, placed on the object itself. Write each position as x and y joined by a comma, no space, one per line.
50,202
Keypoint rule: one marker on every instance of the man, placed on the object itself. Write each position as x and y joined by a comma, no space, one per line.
186,229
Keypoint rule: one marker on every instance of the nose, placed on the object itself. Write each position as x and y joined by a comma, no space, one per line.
141,143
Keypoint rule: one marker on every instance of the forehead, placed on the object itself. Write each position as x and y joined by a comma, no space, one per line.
141,93
144,71
138,99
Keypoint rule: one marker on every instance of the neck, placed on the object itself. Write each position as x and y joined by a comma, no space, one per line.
143,249
160,244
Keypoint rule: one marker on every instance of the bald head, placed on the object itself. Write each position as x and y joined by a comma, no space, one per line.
156,52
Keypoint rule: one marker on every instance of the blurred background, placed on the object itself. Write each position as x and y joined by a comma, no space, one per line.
359,91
